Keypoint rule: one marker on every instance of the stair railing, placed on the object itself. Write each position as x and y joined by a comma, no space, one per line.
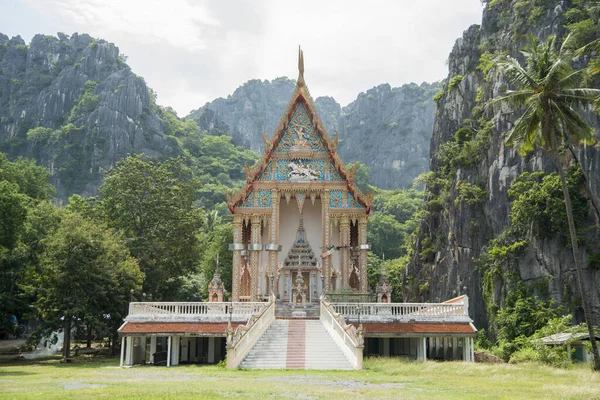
240,342
350,339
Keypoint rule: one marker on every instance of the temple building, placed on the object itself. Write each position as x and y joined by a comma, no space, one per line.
299,279
299,211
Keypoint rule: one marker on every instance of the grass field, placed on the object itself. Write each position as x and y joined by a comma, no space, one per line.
381,379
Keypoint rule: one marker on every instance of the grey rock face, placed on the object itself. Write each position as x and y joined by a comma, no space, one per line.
386,129
44,85
465,228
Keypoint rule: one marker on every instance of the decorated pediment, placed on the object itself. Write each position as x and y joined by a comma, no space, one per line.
300,152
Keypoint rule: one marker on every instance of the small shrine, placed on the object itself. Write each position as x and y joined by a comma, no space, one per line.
383,288
215,286
299,212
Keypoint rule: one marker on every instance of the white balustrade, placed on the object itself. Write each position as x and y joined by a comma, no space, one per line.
240,342
349,339
401,311
189,310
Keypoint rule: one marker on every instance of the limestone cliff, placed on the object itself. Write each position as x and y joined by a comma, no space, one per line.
457,229
90,108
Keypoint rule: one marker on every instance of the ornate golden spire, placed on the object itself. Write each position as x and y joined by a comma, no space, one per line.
300,81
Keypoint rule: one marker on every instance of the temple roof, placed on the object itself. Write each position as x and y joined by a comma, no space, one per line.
307,146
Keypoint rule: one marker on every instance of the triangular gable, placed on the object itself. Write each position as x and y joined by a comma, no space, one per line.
301,134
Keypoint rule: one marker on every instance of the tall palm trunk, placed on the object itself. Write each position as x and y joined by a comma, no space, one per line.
573,233
588,187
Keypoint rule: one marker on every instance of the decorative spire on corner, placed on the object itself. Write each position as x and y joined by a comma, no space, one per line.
300,82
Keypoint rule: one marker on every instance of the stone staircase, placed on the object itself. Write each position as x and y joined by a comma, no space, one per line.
285,311
296,344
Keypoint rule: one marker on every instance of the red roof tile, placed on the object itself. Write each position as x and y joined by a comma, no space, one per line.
176,327
416,327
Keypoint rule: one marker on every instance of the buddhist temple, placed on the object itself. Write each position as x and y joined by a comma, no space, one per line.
299,210
299,295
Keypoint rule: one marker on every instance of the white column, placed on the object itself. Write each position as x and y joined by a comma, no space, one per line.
455,348
466,349
211,350
122,350
169,351
152,348
386,347
129,351
193,356
422,349
143,350
184,348
472,350
175,350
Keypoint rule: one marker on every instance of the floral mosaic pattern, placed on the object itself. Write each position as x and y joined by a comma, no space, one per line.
267,174
338,200
265,198
300,122
248,201
334,175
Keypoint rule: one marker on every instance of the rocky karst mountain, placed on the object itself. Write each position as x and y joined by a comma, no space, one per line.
459,224
386,128
89,108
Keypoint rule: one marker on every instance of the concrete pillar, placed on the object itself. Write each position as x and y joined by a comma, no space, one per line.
386,347
142,355
423,347
455,348
152,348
169,346
211,350
122,350
325,239
274,237
184,349
362,257
345,251
193,356
237,258
129,351
472,350
466,349
175,350
256,238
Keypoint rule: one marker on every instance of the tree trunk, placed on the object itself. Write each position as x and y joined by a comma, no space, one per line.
584,299
89,336
115,340
67,338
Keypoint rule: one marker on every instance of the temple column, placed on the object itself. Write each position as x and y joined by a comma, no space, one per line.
237,257
274,240
362,255
345,250
256,245
325,240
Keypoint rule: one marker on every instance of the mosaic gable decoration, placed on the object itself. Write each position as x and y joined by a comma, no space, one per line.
300,152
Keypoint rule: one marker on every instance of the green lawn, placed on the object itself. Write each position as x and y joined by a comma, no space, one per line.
382,378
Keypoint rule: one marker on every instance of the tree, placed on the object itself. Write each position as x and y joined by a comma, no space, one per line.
548,88
85,273
152,203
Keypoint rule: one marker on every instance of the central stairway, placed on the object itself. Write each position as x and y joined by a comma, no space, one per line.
296,344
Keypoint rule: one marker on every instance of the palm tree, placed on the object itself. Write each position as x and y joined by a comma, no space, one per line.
548,89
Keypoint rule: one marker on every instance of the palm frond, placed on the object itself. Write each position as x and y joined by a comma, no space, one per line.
572,122
580,97
524,132
515,74
517,98
572,79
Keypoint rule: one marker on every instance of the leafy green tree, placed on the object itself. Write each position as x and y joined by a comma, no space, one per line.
385,234
549,90
152,203
85,273
32,179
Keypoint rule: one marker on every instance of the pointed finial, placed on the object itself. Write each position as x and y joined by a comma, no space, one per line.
300,81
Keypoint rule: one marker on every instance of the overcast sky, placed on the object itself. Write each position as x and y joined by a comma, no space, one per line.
193,51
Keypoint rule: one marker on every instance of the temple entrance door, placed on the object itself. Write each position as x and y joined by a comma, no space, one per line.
215,297
384,299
